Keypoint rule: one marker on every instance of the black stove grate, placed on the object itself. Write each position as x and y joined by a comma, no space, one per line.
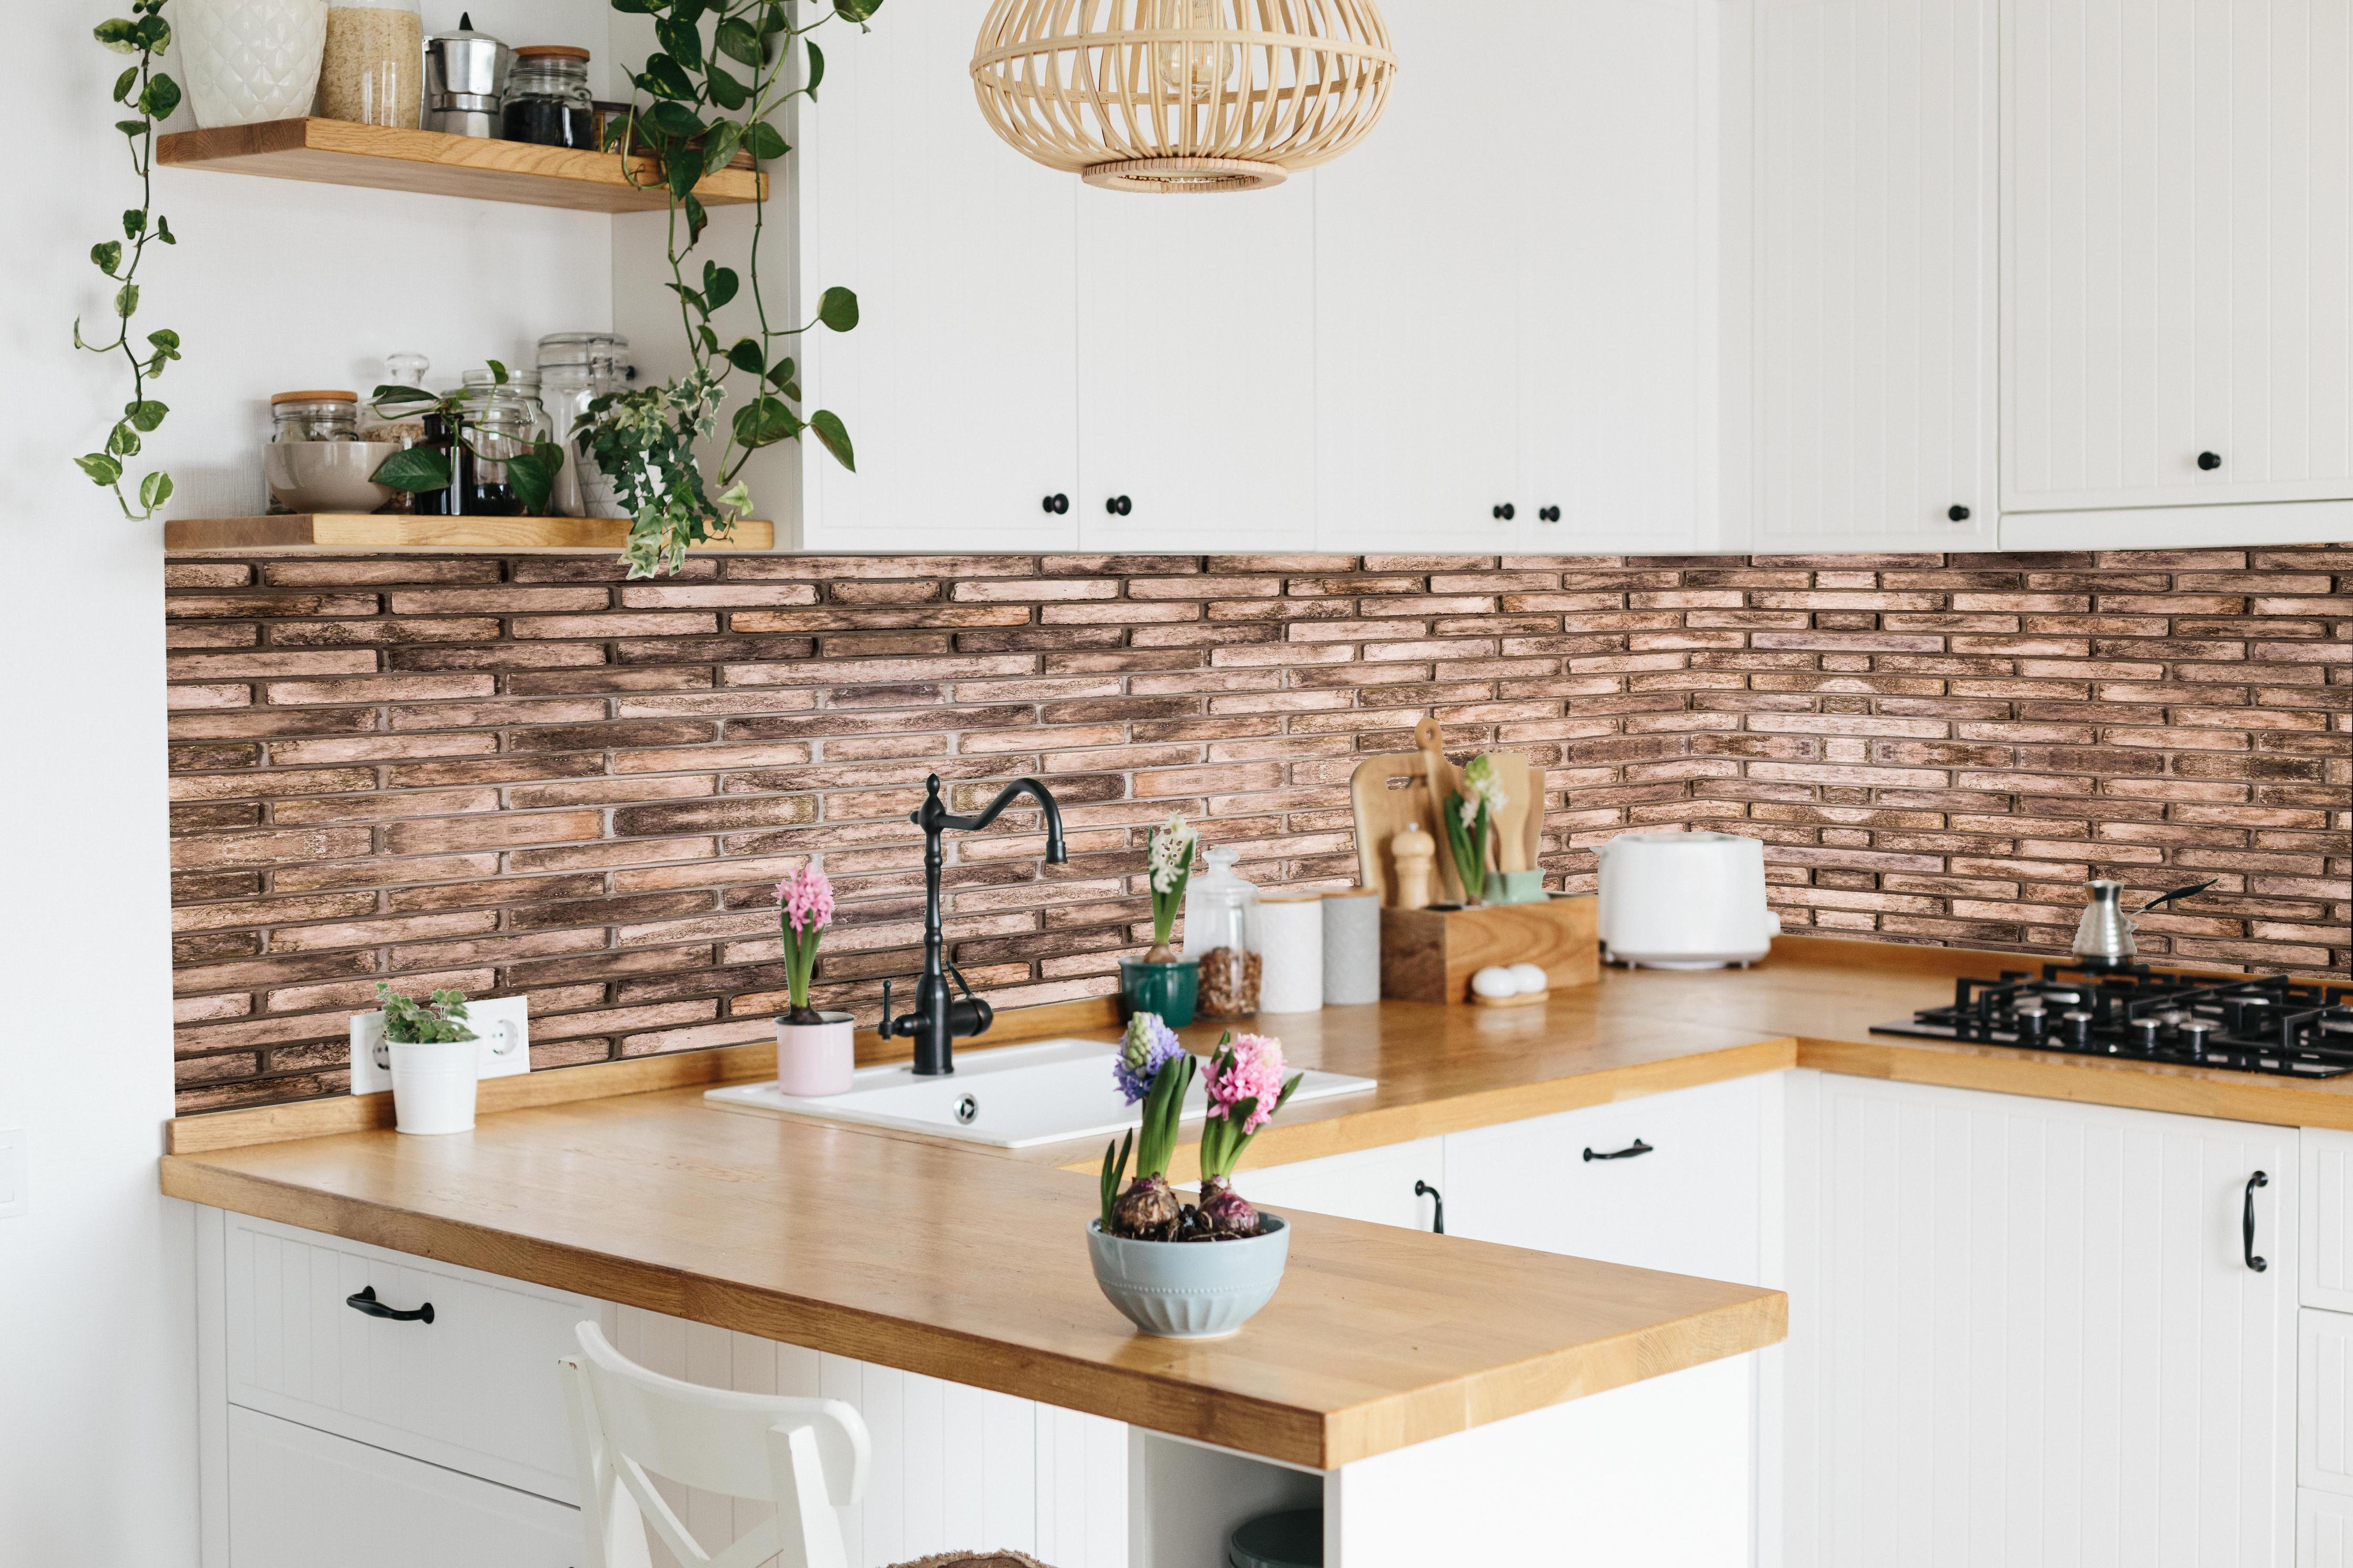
2270,1024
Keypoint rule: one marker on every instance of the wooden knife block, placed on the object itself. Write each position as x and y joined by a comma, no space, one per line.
1429,955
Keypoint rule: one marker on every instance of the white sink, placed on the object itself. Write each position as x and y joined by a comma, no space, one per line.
1014,1097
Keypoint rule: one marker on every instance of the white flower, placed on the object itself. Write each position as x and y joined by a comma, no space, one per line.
1171,853
1482,786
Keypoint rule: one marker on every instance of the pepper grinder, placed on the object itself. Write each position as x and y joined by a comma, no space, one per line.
464,76
1415,854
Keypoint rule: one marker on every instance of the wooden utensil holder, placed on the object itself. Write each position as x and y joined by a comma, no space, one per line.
1429,955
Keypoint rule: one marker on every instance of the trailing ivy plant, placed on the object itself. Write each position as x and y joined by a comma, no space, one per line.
708,92
150,96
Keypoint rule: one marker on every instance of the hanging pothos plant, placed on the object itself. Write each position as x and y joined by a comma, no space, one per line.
705,95
150,96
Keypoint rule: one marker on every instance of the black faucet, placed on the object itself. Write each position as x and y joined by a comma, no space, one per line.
939,1020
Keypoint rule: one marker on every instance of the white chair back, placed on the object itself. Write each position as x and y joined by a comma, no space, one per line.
808,1456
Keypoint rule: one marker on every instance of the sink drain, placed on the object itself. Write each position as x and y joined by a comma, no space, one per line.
967,1111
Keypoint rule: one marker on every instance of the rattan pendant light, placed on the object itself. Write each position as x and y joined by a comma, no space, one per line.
1183,95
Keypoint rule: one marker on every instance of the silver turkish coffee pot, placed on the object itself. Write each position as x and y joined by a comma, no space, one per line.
2104,938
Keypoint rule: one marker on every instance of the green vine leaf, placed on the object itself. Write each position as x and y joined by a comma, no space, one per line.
740,42
160,99
727,93
107,256
839,310
154,491
126,300
101,468
815,67
664,78
118,34
747,356
836,437
858,10
125,83
414,469
767,144
146,413
764,422
532,476
719,148
719,284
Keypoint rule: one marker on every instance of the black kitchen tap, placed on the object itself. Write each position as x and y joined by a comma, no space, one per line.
939,1020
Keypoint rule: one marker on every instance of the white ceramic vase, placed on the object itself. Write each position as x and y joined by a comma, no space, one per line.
244,61
816,1059
433,1085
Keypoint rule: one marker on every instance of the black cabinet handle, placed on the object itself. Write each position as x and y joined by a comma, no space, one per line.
1958,513
1119,506
1438,1221
2209,461
1058,504
1631,1149
365,1302
1506,511
1549,514
2247,1225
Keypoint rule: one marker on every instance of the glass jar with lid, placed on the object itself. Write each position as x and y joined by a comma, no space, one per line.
547,99
398,423
373,71
496,421
314,416
1221,930
575,370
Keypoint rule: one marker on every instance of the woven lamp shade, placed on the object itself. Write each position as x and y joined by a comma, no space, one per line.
1174,95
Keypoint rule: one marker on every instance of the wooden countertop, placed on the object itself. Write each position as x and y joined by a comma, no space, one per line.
967,1263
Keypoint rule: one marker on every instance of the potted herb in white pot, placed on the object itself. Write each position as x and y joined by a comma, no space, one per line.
815,1052
1186,1270
434,1060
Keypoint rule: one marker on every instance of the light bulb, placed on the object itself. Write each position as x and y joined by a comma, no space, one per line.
1193,70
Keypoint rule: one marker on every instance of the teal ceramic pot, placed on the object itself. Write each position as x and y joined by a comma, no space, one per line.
1168,989
1190,1289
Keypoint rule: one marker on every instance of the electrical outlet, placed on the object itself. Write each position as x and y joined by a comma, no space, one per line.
501,1026
14,1195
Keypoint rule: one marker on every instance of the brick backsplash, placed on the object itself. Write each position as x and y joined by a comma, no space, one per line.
528,775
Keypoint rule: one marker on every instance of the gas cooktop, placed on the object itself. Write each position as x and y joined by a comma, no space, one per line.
2297,1028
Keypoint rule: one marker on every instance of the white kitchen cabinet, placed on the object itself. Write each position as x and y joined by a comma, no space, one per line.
2178,276
1377,1185
2323,1531
1669,1181
1873,392
2326,1278
300,1497
2323,1402
1513,277
2026,1331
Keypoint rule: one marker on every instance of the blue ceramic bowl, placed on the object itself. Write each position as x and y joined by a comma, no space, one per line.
1190,1289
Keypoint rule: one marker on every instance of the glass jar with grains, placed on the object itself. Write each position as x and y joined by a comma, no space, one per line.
1221,930
547,100
374,69
314,416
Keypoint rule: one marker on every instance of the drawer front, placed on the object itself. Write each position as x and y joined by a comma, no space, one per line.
2323,1531
299,1499
475,1389
2323,1401
1682,1193
1374,1185
2325,1276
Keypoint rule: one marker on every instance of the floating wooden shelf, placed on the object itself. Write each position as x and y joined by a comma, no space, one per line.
338,152
370,531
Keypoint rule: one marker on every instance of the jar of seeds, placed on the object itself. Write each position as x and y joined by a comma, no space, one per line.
374,69
1221,930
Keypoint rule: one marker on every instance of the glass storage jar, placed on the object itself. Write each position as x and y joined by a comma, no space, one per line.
374,69
1221,930
548,101
575,370
394,426
496,421
314,416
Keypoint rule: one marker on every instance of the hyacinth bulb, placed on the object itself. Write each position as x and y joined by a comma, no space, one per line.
1193,71
1147,1211
1226,1210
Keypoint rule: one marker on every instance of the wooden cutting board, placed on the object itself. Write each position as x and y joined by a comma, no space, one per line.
1395,788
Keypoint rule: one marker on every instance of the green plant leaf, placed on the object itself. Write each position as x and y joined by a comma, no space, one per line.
414,469
146,413
163,230
740,42
725,91
720,284
532,475
782,371
856,10
134,128
675,120
125,83
838,309
118,34
815,67
719,148
166,342
664,78
106,258
767,142
126,300
498,372
773,20
682,172
681,40
154,491
697,218
101,468
152,32
135,222
746,356
764,422
836,437
122,440
162,96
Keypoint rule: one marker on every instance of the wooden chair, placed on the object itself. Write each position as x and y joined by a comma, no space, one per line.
808,1456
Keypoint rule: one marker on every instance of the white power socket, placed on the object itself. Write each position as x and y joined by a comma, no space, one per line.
501,1026
14,1197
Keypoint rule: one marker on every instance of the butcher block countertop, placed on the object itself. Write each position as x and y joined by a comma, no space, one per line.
621,1182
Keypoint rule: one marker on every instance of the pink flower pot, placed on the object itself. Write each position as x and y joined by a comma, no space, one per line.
815,1059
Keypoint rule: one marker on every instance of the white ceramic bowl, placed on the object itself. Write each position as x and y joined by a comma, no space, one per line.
1190,1289
327,476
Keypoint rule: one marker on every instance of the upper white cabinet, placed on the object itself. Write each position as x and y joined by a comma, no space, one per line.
2178,256
1872,398
2022,1331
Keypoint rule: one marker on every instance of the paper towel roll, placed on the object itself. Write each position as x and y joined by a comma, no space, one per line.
1290,946
1352,948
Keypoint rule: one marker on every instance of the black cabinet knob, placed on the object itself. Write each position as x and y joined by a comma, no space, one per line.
1506,511
2209,461
1550,514
1958,513
1058,504
1119,506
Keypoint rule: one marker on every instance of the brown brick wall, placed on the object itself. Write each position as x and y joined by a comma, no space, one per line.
528,775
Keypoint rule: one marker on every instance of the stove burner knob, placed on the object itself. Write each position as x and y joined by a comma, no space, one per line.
2079,1027
2031,1021
2143,1034
2193,1037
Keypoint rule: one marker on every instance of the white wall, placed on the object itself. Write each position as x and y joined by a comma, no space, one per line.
273,285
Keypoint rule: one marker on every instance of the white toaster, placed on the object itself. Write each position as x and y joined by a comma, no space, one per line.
1684,900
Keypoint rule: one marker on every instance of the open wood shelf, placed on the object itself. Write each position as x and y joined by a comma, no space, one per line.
339,152
372,531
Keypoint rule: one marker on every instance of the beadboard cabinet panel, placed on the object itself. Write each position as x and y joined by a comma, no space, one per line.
2323,1531
301,1498
1371,1184
1196,339
2324,1406
1874,379
959,384
2178,268
2024,1330
2327,1278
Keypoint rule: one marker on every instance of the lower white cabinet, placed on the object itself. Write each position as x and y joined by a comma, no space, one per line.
2024,1330
2323,1531
301,1497
2323,1402
1383,1186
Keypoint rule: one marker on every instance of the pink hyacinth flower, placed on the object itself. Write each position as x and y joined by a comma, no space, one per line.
1254,1072
808,898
